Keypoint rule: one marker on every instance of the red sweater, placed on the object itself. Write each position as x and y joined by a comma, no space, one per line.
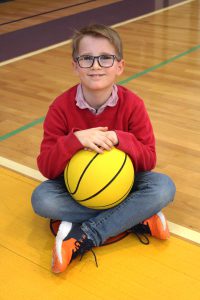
128,118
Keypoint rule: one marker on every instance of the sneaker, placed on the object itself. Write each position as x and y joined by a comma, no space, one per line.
155,226
55,224
67,247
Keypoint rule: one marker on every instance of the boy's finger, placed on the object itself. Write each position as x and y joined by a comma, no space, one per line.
102,128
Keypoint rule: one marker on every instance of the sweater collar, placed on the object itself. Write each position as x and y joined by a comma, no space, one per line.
82,104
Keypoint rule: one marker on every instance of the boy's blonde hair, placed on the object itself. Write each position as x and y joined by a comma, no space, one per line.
97,30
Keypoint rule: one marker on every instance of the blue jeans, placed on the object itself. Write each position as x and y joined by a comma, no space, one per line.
150,193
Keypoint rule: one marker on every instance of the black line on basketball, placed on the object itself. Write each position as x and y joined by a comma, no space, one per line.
78,183
66,178
113,203
108,182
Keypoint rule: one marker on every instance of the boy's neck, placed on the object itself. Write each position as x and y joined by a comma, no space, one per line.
96,98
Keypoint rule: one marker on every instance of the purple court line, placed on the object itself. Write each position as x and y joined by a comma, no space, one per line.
23,41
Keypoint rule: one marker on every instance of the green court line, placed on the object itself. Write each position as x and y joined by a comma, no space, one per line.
20,129
40,120
159,65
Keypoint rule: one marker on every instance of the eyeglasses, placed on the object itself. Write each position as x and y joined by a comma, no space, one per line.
104,60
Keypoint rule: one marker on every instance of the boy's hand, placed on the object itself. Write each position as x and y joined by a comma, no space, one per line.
112,137
97,139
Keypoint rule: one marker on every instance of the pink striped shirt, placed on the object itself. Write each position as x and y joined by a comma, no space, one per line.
82,104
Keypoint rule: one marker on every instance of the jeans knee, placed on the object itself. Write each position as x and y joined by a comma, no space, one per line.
167,189
40,202
35,201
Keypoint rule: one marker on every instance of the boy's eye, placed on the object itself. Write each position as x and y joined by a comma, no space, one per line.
86,57
105,57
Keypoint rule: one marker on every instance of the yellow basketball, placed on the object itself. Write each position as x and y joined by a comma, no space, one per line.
99,181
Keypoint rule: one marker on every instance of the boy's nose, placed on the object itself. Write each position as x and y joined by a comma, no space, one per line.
96,64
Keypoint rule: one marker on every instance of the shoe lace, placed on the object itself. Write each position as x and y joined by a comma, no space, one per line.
83,245
139,230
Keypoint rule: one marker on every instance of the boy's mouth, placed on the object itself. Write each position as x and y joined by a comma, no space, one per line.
96,75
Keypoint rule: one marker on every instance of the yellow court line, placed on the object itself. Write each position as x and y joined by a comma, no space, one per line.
176,229
69,41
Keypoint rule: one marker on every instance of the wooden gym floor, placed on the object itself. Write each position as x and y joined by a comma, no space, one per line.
162,53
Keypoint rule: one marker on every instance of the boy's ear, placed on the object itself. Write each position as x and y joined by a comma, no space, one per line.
74,65
120,67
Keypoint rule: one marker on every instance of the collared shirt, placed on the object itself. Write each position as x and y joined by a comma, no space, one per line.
82,104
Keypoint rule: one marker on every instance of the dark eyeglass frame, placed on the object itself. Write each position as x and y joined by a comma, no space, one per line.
99,57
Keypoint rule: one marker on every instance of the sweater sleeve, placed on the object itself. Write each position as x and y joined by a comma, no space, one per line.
59,144
139,141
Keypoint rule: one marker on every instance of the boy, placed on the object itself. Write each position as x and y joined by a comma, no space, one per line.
97,115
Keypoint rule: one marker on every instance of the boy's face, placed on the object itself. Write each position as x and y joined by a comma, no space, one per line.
97,78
